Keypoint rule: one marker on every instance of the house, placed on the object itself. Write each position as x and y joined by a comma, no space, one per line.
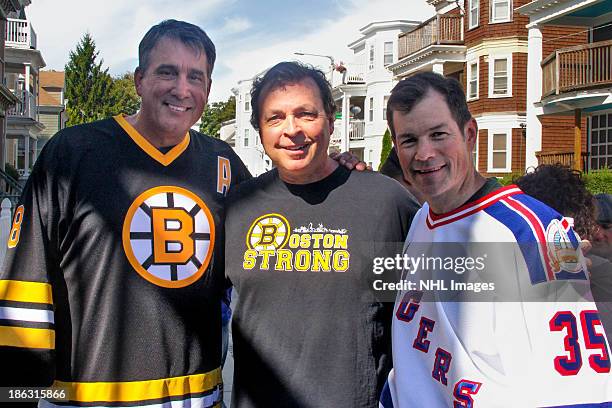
361,88
227,133
571,77
484,45
246,139
51,106
23,62
7,98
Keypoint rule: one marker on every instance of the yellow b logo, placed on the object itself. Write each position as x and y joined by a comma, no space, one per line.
168,236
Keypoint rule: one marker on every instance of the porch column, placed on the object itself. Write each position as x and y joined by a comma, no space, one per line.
578,139
533,143
438,68
344,141
26,99
26,156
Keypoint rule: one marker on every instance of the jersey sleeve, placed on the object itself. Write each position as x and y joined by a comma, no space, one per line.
27,320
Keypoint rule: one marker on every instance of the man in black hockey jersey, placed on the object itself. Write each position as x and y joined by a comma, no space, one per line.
111,286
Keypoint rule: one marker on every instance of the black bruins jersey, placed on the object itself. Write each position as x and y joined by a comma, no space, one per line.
111,287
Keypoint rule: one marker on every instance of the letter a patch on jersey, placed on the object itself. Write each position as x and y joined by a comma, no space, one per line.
168,236
224,175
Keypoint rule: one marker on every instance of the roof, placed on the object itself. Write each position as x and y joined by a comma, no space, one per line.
54,79
47,99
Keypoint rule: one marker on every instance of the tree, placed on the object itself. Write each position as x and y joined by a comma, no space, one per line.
125,97
89,93
386,148
216,114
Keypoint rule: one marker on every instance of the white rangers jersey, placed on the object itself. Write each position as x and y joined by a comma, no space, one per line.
539,344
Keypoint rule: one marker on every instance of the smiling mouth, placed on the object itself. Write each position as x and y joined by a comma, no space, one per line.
176,108
428,170
296,148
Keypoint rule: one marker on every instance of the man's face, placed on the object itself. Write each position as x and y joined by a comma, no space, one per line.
603,235
434,154
174,89
295,130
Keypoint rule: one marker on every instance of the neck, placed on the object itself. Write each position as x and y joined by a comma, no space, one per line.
140,123
308,175
455,198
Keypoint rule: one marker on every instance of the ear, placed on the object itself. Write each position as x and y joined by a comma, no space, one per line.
470,131
138,80
331,121
209,86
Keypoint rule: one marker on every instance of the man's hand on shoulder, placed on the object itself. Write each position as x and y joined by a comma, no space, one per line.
350,161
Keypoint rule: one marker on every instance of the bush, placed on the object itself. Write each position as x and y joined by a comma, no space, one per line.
599,181
509,178
387,144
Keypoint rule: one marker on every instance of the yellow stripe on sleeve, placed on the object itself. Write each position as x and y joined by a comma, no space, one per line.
141,390
22,291
27,337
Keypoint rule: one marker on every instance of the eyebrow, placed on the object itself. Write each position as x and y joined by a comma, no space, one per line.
431,129
166,66
196,71
297,108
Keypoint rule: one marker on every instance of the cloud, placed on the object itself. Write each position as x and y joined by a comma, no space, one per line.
116,26
331,36
246,45
234,25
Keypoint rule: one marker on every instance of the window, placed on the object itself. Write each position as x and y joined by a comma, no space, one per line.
246,137
388,53
601,141
500,76
371,65
474,13
472,84
499,151
371,109
500,11
247,104
385,102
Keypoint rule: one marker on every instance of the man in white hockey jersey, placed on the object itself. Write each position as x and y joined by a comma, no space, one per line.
536,339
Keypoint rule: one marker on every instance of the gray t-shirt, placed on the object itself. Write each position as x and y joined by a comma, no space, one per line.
308,331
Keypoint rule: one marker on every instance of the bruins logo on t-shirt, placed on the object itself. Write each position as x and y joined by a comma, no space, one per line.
168,236
272,244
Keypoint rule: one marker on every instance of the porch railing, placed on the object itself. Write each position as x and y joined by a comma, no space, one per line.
565,158
356,131
441,29
578,67
20,34
25,107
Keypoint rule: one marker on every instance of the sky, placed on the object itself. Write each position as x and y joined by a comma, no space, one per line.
249,35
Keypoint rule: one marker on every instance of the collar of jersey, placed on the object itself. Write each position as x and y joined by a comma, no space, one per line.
436,220
144,144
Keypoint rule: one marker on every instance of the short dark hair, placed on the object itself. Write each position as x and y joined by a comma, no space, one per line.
187,33
564,190
408,92
283,74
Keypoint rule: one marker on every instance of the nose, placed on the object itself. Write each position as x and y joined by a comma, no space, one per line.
181,87
291,127
424,151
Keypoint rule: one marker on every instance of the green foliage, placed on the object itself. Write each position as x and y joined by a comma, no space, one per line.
387,144
215,114
125,98
599,181
509,178
89,94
